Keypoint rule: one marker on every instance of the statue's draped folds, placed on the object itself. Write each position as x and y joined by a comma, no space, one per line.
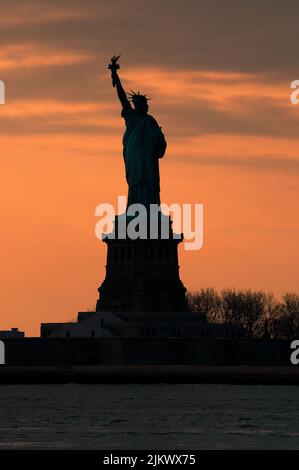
143,145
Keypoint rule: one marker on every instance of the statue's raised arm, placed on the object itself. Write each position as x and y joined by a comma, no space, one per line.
114,66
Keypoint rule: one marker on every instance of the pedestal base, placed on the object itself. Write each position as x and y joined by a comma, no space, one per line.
142,275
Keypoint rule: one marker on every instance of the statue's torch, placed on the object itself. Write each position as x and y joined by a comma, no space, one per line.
114,66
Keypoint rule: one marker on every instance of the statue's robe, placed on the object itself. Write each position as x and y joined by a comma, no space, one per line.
143,145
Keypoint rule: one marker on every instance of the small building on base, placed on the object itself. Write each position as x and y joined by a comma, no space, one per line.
140,325
12,333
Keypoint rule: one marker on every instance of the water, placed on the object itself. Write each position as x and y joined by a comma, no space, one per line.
149,416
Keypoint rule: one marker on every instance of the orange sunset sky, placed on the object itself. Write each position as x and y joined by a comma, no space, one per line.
218,74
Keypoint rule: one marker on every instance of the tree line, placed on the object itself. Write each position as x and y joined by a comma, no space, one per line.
259,313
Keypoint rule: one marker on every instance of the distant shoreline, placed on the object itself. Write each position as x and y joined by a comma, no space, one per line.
120,374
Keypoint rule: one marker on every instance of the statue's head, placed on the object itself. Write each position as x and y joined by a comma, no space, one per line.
139,101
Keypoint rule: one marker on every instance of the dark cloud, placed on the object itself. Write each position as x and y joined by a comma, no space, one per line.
69,83
256,162
258,117
231,35
51,125
258,38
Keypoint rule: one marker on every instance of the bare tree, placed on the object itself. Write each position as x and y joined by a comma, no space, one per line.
257,312
245,308
206,302
285,318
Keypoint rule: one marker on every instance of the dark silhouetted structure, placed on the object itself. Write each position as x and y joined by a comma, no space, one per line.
143,145
142,275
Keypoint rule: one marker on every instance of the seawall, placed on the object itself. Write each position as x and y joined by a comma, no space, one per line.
147,360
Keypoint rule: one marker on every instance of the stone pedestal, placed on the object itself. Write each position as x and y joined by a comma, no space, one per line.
142,274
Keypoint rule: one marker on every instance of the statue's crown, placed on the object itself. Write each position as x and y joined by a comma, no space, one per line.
137,97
